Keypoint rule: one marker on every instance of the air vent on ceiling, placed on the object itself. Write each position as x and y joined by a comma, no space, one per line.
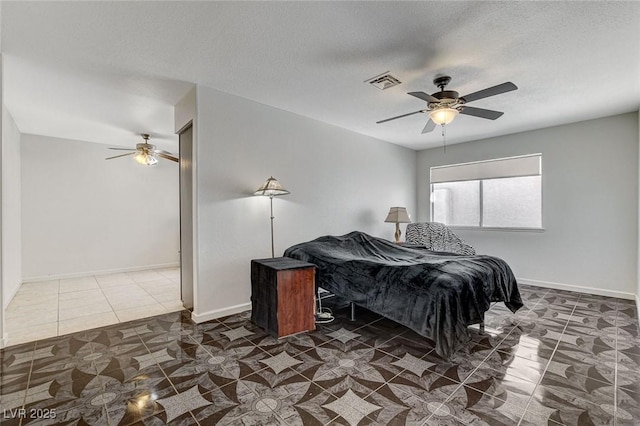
383,81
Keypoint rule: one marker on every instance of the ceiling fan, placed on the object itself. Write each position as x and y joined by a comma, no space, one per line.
445,105
145,153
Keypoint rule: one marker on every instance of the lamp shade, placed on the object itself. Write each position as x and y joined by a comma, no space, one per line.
398,215
271,188
443,116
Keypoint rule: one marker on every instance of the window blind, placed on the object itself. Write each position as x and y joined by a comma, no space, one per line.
526,165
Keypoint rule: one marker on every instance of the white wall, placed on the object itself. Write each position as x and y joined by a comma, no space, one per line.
2,305
590,204
638,265
11,220
84,215
340,181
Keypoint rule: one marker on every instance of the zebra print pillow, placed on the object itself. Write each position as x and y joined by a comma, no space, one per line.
437,237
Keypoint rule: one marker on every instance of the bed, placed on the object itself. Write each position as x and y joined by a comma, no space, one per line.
436,294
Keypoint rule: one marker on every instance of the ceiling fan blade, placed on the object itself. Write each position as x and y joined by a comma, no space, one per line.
424,96
121,155
399,116
162,151
481,112
491,91
429,127
123,149
167,157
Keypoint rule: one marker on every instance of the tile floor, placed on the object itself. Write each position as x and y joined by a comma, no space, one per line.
564,359
53,308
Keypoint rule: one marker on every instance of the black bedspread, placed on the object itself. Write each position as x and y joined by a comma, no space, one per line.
435,294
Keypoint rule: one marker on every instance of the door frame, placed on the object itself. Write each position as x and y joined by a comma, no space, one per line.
187,218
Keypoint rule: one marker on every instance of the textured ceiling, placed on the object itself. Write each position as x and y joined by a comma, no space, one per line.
106,71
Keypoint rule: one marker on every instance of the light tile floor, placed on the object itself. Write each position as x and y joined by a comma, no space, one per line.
53,308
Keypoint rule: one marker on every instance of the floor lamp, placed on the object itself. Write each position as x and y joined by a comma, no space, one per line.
271,188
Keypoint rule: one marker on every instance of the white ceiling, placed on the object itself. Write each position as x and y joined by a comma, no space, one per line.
107,71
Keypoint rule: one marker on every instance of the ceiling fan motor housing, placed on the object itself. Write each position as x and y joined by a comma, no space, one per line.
448,99
142,147
446,95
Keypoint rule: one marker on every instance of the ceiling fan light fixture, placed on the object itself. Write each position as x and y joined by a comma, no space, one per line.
444,115
145,159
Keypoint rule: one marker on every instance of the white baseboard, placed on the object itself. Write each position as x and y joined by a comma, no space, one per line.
579,289
218,313
99,272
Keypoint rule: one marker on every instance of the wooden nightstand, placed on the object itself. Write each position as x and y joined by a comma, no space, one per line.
283,295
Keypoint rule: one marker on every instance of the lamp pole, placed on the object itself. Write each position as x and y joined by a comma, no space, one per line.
272,246
271,188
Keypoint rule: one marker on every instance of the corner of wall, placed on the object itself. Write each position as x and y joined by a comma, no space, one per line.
11,234
638,246
219,313
186,113
185,110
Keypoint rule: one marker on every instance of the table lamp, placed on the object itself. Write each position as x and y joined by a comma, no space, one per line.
398,215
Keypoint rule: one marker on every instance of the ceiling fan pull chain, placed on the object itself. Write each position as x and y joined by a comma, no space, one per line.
444,139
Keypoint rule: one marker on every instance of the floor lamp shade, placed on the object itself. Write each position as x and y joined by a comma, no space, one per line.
271,188
398,215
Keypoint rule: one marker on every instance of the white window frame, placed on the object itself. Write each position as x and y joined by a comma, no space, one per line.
481,179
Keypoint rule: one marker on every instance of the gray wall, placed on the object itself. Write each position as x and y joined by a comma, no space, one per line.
2,305
340,181
83,215
590,204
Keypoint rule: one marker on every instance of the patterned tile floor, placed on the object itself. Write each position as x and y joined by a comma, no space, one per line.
566,358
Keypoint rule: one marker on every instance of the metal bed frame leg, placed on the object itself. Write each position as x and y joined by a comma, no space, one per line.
353,311
482,325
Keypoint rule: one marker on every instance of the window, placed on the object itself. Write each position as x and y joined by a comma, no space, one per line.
501,193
